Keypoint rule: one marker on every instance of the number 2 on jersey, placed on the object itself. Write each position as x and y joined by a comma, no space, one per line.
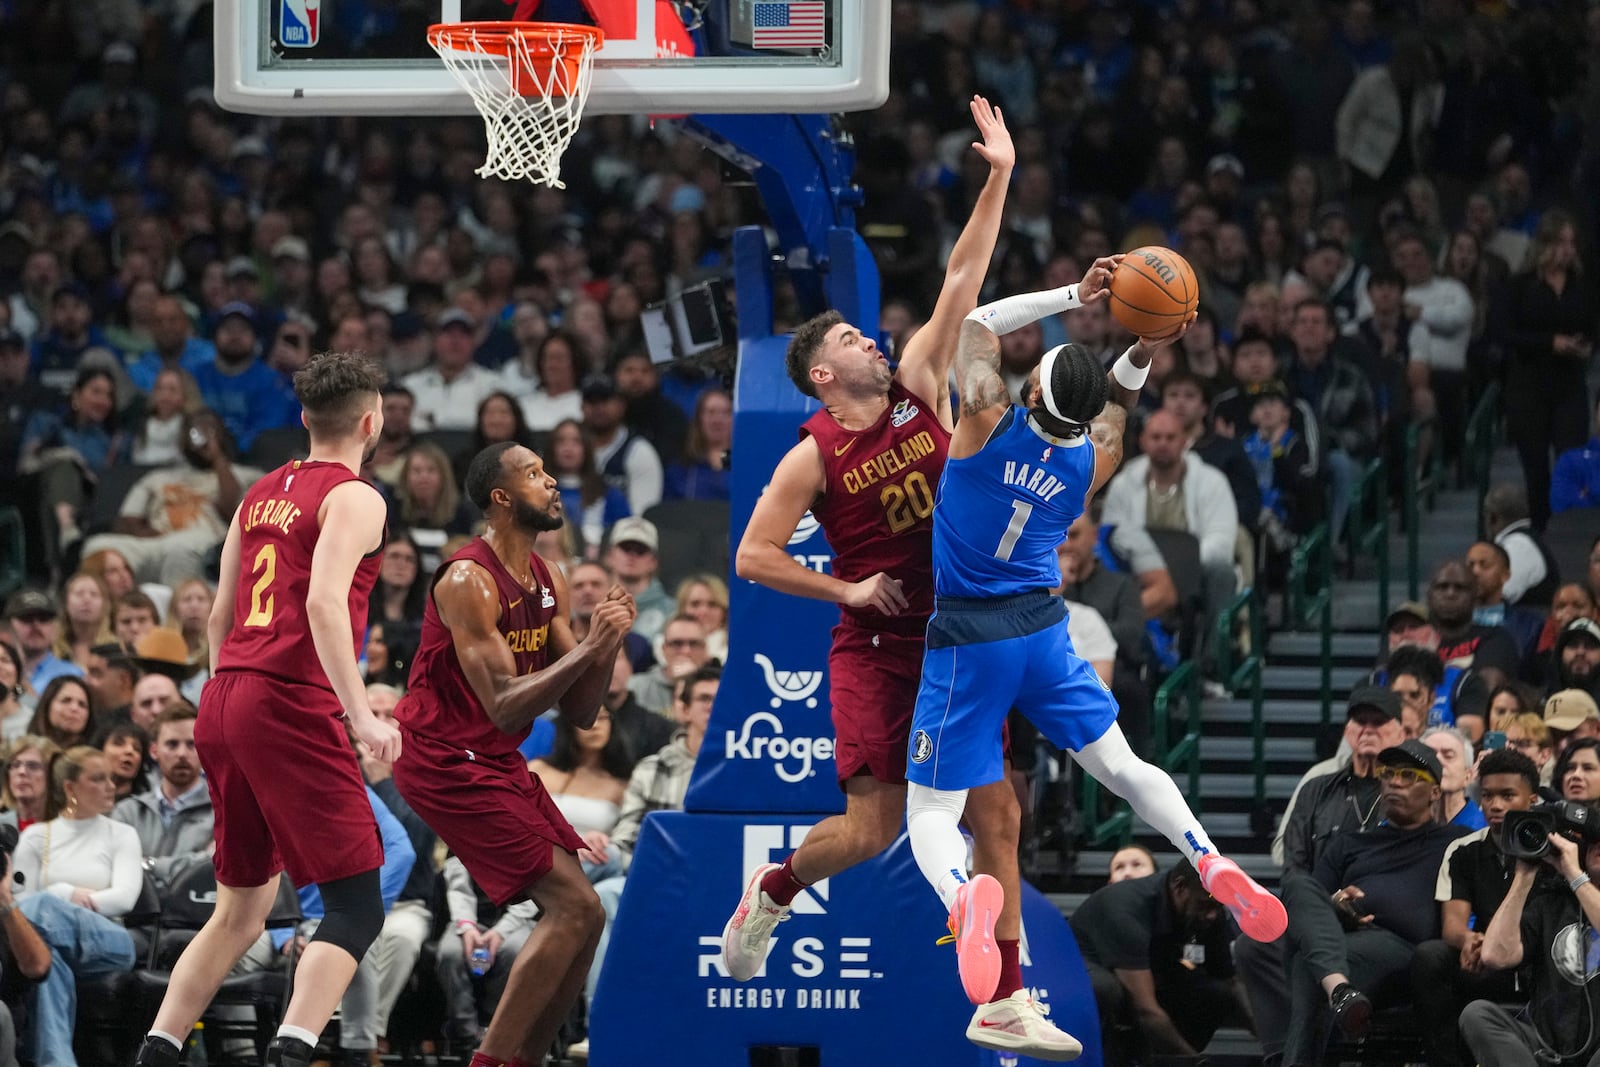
1020,511
266,565
905,504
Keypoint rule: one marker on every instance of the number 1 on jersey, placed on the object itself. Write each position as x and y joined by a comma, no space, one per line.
266,565
1020,511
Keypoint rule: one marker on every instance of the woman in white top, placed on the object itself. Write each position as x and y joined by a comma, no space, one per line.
173,395
561,367
79,872
586,774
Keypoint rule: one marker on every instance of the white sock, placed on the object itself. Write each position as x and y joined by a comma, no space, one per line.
298,1033
933,819
166,1037
1151,791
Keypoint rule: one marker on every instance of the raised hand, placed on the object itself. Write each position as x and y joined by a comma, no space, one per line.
996,147
1096,283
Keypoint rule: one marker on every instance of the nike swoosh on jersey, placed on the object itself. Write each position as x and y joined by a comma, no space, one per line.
515,602
847,447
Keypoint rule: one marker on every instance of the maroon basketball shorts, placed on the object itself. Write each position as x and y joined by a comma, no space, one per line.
873,678
489,809
286,787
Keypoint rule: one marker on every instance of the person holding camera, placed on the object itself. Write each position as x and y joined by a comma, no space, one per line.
175,516
1448,973
1551,935
24,956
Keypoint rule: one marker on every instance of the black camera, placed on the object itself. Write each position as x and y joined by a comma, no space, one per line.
1525,835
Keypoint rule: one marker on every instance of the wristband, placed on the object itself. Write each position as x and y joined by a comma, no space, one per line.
1127,375
8,908
465,922
1579,882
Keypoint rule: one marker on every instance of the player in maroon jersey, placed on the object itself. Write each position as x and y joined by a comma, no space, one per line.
867,467
301,555
496,652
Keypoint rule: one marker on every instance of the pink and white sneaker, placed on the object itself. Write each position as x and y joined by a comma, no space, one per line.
747,937
1017,1024
972,919
1260,915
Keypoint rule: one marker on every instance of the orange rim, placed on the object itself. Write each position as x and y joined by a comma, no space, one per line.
495,37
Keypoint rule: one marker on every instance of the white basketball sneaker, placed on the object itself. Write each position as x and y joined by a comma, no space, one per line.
1017,1024
748,935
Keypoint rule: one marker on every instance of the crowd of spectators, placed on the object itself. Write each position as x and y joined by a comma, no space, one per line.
1390,207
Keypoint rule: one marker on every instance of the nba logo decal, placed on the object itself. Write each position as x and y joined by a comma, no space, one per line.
299,23
921,747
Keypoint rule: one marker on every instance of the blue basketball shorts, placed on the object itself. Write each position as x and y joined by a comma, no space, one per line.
969,686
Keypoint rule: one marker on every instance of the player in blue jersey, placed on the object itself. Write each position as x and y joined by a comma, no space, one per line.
1016,478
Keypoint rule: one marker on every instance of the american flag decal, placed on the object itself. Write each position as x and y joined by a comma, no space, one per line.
798,24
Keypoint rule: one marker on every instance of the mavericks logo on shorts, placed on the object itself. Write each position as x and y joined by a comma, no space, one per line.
921,747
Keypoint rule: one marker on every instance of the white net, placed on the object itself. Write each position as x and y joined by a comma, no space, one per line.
529,81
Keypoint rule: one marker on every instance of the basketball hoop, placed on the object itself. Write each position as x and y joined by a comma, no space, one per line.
529,80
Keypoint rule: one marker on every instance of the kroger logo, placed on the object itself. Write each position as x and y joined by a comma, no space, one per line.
746,743
793,686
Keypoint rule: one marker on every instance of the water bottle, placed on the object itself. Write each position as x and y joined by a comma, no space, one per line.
480,961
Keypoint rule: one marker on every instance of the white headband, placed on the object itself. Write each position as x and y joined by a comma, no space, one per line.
1046,375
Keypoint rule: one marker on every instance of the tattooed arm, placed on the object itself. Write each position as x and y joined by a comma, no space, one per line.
983,392
1107,432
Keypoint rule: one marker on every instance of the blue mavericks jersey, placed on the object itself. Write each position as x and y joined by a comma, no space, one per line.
1001,513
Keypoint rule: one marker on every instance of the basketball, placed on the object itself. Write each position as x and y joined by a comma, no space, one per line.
1153,292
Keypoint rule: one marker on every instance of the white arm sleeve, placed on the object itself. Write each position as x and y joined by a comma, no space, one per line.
1014,312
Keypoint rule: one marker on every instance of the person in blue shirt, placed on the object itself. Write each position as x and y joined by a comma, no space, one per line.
245,393
1575,482
1455,755
1016,479
175,345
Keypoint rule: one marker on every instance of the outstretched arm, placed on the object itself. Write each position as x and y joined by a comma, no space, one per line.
925,364
983,392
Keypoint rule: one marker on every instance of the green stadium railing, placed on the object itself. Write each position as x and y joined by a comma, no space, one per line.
1369,526
1311,601
1182,689
1422,477
1480,441
1245,676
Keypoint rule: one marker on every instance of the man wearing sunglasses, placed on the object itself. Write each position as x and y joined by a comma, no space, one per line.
1356,919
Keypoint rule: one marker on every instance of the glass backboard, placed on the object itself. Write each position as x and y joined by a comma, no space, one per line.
371,57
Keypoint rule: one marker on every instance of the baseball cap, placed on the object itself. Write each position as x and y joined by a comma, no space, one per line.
237,309
1272,389
599,387
1413,609
248,145
455,317
29,604
1569,709
10,338
1579,627
1375,697
291,247
70,289
119,52
1225,162
1412,753
636,530
242,267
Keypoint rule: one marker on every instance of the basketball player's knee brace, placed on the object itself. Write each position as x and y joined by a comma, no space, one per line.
352,913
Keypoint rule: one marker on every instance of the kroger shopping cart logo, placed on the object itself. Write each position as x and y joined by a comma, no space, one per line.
789,686
299,23
807,526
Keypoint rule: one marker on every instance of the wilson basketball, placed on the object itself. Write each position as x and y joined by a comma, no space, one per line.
1153,292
